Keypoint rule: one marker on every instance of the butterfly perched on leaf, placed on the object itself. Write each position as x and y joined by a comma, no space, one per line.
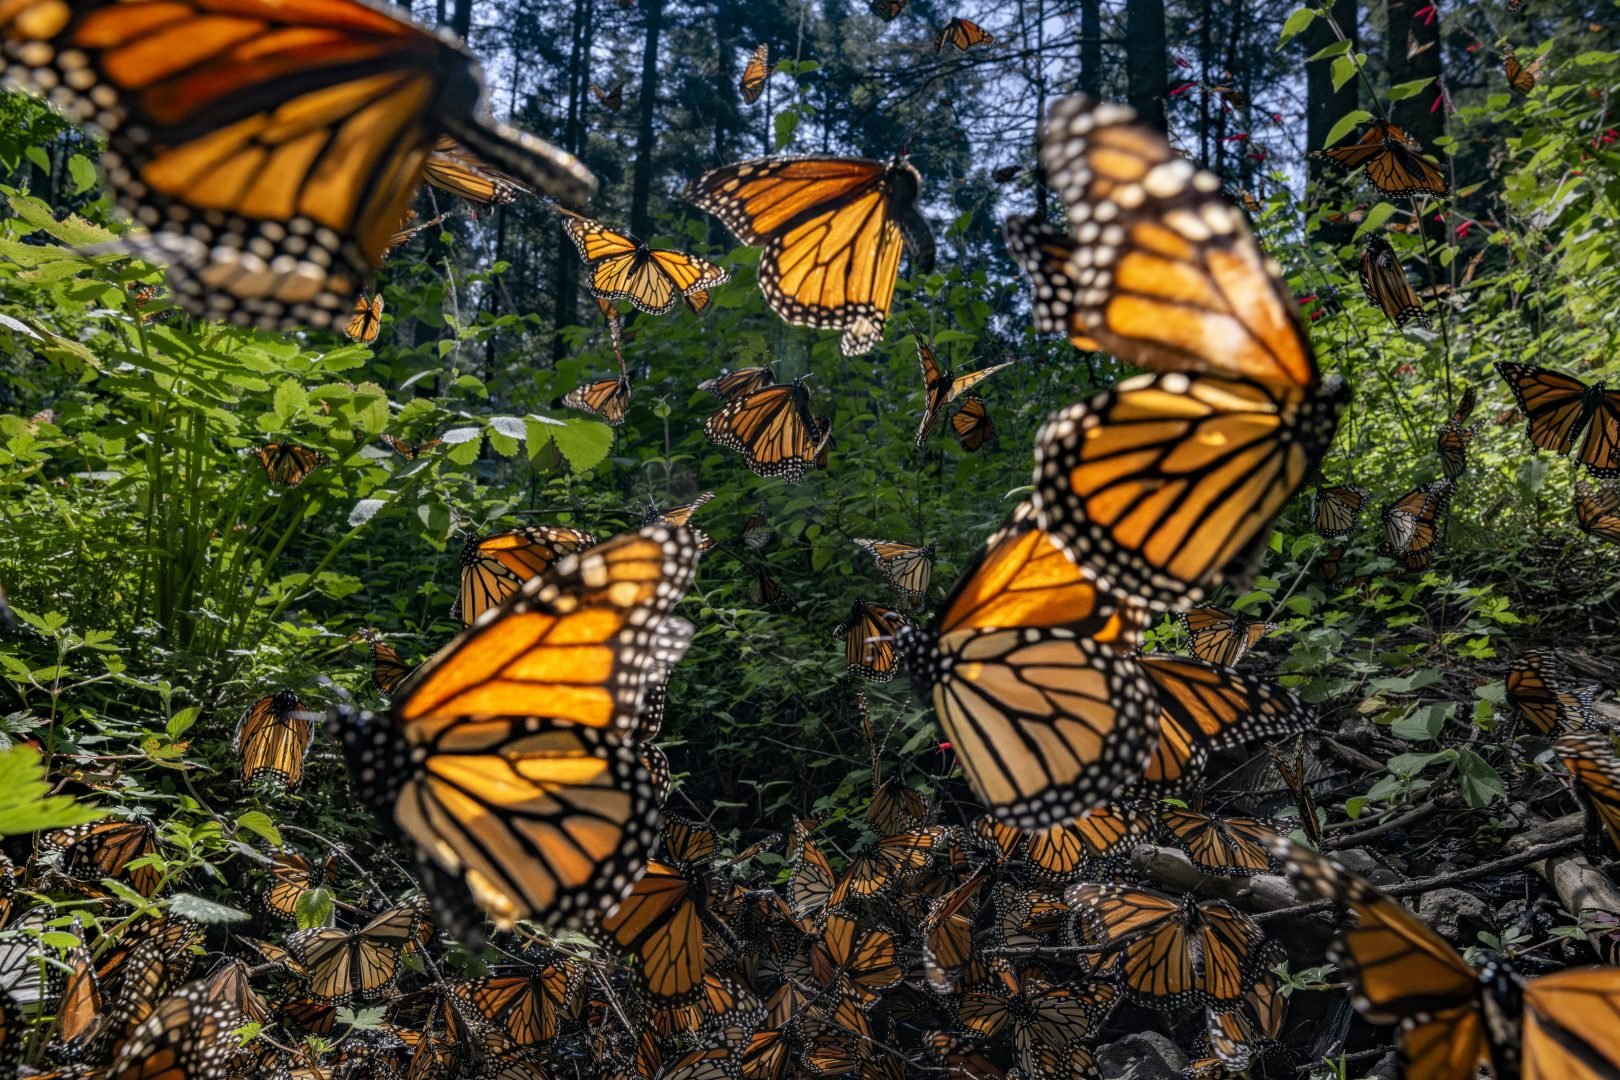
907,567
608,399
971,424
1543,690
1454,436
1384,281
292,877
1394,161
964,34
1138,483
1338,509
1520,76
273,737
1452,1018
756,531
772,428
1412,523
272,160
105,849
756,74
871,635
363,962
942,387
453,168
1597,510
622,267
611,99
367,319
832,230
1219,636
143,295
765,590
1590,758
288,464
495,566
1558,408
507,763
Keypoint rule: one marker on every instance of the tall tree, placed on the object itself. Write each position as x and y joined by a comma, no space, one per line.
1412,38
1147,66
567,263
646,105
1091,47
1326,104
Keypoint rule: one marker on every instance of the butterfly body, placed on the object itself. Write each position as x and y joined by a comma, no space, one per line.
1385,284
1393,160
942,387
1558,408
625,268
1597,510
772,428
1221,637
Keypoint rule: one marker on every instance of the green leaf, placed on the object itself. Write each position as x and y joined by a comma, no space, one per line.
39,157
1480,784
197,909
583,442
83,173
1425,723
25,806
364,510
1375,218
1347,123
314,908
1354,806
290,400
538,430
1297,23
181,721
1402,91
259,823
1344,69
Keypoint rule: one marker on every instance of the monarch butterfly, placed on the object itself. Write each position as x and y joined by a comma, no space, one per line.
1058,853
273,737
80,1012
865,961
772,429
1005,173
387,669
942,387
1590,758
947,935
1020,665
738,383
1291,767
1204,709
624,268
287,463
104,849
894,807
1221,845
963,34
1174,949
403,236
612,100
891,860
228,981
505,762
831,229
1221,637
405,449
907,567
292,876
1542,688
1558,407
1597,510
697,300
960,1056
494,567
261,224
811,882
756,74
346,963
1412,523
142,294
766,590
609,399
871,635
886,9
1394,160
1385,284
1338,508
1521,77
529,1008
1453,439
1047,1017
971,424
661,922
187,1036
1236,1037
757,529
1453,1018
453,168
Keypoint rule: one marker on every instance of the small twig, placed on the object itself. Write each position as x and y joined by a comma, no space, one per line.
1422,810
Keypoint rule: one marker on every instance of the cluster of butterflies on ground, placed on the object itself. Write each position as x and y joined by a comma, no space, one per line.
519,765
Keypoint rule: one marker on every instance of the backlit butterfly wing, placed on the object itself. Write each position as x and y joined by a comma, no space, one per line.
609,399
886,9
1412,523
271,148
738,383
1337,509
771,428
367,319
187,1036
1590,758
1162,270
273,737
1291,767
612,100
907,567
453,168
942,387
1384,281
1556,406
505,762
1394,161
1521,77
1454,437
1597,510
971,424
105,849
964,34
682,514
871,637
660,922
623,268
494,567
1221,637
1046,718
756,74
292,876
1168,484
387,669
1569,1027
697,300
1542,688
832,230
287,464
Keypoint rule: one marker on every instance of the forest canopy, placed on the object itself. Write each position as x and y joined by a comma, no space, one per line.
712,540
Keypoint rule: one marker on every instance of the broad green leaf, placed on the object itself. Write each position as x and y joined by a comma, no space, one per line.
1347,123
259,823
1480,784
1402,91
1298,21
583,442
25,805
197,909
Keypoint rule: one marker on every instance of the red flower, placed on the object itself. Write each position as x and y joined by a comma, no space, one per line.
1182,89
1258,155
1464,229
1427,14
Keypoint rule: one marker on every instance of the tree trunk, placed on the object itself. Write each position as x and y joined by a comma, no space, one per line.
461,19
1324,107
1205,47
1091,47
1424,115
1147,70
722,110
641,192
566,274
